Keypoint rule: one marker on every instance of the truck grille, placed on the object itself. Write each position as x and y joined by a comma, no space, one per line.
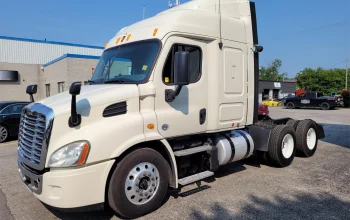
33,136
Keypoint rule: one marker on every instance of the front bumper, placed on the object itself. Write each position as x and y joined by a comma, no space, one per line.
68,188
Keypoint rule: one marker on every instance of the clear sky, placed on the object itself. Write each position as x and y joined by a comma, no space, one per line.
302,33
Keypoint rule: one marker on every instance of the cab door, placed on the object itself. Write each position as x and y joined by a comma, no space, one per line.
187,114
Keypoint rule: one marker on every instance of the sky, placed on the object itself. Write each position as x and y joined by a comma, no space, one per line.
302,33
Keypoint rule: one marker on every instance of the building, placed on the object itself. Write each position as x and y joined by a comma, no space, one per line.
276,90
53,66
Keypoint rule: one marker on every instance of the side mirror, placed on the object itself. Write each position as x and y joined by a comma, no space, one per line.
75,88
75,119
181,74
31,90
182,68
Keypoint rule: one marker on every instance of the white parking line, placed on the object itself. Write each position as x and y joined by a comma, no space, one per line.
8,143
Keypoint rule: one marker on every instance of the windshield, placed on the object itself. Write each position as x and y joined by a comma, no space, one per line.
129,63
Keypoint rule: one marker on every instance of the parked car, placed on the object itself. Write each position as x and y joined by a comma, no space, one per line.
312,100
270,102
263,110
10,114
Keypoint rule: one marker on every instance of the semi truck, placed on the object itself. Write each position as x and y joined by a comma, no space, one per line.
173,98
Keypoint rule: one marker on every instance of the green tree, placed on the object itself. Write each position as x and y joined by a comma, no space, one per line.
272,71
324,80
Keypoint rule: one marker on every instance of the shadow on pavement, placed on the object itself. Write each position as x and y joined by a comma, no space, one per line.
323,206
338,134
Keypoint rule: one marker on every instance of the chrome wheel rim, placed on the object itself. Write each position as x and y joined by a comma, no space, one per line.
142,183
3,134
287,146
311,139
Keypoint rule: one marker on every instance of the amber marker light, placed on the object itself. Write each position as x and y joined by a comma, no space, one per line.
155,32
84,154
150,126
118,40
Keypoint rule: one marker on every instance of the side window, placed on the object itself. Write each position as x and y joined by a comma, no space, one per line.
16,109
195,63
6,110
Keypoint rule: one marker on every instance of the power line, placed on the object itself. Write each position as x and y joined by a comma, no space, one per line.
319,28
338,63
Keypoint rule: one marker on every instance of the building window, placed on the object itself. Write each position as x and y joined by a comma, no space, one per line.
195,63
60,87
47,90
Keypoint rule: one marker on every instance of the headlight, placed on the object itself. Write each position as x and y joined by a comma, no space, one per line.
73,154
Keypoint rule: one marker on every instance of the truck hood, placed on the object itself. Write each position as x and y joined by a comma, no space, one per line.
90,96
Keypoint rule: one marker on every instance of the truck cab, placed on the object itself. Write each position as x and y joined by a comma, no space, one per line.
172,98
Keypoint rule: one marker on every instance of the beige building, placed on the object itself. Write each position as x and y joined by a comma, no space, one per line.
53,76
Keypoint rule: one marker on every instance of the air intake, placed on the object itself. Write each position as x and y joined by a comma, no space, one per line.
115,109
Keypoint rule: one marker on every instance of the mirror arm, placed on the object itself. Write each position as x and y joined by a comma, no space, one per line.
75,119
170,94
31,98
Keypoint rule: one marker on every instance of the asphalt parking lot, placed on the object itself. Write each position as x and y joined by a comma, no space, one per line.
314,188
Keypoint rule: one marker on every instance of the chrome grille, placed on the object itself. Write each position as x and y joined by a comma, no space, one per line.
33,136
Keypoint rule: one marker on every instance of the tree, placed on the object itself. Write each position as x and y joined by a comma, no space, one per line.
272,71
324,80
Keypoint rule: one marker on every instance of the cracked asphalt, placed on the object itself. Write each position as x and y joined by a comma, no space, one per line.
311,188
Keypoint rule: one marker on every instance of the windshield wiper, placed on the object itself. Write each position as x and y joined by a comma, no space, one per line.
114,81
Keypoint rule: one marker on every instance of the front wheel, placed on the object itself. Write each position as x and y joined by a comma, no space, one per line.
139,183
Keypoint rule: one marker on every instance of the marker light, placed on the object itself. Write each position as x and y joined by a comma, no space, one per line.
117,40
155,32
128,37
106,45
123,38
150,126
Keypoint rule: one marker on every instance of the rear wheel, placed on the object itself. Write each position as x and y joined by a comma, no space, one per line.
307,138
4,134
139,183
325,106
293,124
282,145
290,105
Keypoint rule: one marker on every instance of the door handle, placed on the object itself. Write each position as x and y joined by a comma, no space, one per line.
202,116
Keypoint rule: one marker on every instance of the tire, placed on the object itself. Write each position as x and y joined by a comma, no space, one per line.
282,146
290,105
307,138
4,134
293,124
128,194
325,106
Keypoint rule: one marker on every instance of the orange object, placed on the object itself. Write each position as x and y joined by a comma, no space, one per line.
128,37
155,32
150,126
117,40
84,154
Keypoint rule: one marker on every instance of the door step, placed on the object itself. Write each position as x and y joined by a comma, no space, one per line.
194,150
195,178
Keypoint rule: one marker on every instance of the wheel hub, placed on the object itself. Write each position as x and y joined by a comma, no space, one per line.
142,183
287,146
3,134
311,138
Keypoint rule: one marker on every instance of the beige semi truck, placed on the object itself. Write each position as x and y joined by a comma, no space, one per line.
173,98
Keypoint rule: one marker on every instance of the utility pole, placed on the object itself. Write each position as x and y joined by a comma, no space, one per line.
346,77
